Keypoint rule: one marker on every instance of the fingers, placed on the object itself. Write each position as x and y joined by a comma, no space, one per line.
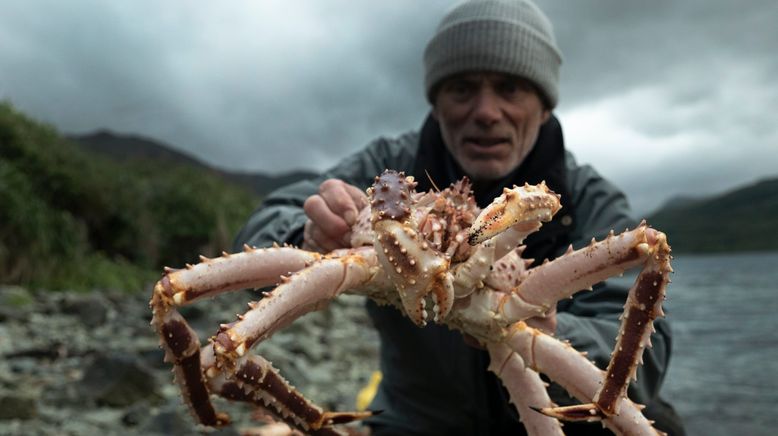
314,239
342,199
331,213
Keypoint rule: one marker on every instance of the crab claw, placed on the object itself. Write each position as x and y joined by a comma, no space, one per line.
576,413
525,205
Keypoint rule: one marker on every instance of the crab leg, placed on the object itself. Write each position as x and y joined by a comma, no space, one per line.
644,304
257,382
307,290
550,282
580,377
581,269
526,389
251,268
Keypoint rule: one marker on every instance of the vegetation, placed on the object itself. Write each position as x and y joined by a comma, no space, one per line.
74,220
745,219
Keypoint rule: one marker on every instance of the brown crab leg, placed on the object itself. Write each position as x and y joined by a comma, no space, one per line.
257,382
526,389
579,376
643,305
182,348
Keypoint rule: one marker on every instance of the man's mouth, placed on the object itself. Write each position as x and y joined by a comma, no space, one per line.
485,141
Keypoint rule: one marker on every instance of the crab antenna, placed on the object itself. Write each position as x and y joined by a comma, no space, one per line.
432,182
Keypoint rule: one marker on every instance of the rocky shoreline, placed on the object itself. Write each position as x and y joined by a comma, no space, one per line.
89,363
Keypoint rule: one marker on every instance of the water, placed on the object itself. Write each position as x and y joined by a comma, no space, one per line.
723,377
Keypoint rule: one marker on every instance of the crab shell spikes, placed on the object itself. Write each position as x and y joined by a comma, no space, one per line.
521,205
417,269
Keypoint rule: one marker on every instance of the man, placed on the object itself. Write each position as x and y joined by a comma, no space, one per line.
491,76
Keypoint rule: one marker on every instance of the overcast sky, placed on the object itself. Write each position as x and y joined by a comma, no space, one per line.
664,97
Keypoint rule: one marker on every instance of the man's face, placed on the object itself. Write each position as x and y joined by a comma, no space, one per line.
489,121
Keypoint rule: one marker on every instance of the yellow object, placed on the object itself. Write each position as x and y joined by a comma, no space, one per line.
366,394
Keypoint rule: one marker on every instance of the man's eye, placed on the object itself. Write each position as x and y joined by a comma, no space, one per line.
459,89
512,87
509,87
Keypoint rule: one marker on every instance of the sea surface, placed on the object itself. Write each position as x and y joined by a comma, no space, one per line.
723,377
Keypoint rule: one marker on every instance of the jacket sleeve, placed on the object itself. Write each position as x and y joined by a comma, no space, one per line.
280,217
590,321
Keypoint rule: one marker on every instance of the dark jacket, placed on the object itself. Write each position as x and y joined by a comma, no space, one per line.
433,383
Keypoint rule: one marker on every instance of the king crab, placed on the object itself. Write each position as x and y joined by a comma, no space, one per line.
435,257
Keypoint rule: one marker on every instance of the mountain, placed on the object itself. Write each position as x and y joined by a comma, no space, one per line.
122,147
742,219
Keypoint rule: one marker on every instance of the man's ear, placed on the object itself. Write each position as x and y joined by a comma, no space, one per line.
434,112
546,115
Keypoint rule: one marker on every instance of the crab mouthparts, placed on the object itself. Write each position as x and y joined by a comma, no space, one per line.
433,305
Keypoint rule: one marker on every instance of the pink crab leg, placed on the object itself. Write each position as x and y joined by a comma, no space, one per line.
580,377
253,268
417,268
541,287
575,270
526,389
307,290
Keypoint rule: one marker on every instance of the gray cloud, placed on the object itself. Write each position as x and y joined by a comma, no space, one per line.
682,92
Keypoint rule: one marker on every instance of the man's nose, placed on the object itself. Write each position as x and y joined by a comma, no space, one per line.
486,108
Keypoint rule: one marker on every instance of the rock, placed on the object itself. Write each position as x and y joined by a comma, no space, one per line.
118,381
15,406
92,310
90,363
174,419
14,302
136,414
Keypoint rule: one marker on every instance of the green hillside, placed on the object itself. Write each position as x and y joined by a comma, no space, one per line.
70,219
744,219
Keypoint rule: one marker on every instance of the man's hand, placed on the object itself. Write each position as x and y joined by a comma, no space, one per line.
331,213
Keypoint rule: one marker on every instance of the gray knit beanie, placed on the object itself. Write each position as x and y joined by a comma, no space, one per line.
504,36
